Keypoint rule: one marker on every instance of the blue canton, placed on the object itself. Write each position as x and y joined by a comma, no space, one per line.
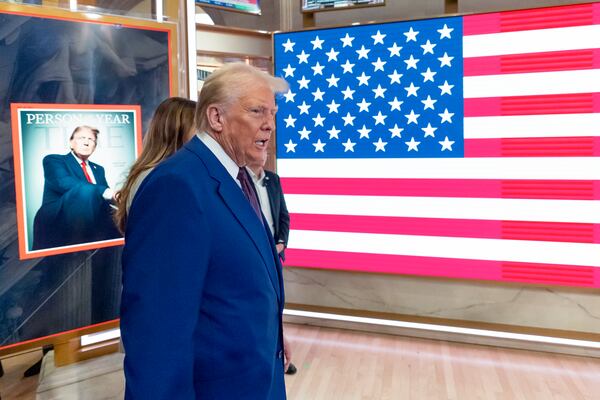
390,90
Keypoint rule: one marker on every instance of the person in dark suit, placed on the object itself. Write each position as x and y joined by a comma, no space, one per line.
76,201
202,282
272,203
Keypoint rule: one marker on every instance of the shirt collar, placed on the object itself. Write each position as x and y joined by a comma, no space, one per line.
79,160
258,180
230,165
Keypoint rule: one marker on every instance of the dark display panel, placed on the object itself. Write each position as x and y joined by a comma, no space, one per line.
246,6
323,5
67,60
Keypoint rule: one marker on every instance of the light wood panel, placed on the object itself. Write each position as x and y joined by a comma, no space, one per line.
347,365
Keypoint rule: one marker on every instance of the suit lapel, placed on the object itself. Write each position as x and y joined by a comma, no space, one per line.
77,170
240,207
98,174
74,166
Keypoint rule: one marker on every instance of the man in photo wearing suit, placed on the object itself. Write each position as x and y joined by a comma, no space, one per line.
202,303
76,201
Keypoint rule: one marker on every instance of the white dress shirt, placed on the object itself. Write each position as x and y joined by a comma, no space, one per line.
263,198
215,148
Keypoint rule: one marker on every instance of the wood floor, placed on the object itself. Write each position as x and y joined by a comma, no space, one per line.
347,365
12,385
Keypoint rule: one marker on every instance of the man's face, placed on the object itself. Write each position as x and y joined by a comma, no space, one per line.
83,143
256,161
257,164
248,126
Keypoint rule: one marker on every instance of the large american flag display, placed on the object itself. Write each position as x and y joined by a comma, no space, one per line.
463,147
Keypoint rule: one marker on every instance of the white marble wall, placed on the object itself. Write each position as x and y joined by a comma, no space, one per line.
488,302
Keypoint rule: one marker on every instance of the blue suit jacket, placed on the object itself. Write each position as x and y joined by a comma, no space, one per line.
202,288
73,210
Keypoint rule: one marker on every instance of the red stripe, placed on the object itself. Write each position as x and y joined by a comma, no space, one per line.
563,275
541,18
470,228
551,231
533,147
533,105
532,62
548,273
468,188
550,189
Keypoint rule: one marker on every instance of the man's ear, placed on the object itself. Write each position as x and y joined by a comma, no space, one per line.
215,118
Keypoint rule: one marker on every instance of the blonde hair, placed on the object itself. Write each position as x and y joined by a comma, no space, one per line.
227,84
171,127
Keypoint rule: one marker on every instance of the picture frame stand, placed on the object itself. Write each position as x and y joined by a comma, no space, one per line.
71,351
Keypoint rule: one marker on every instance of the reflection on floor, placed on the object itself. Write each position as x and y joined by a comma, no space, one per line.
347,365
99,378
12,384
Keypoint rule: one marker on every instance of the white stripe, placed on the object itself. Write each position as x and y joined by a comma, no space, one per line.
532,41
586,254
584,168
554,125
583,211
530,84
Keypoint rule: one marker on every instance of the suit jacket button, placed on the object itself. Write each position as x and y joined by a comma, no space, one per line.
280,354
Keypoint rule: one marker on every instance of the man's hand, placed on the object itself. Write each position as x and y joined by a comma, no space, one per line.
109,194
279,247
287,354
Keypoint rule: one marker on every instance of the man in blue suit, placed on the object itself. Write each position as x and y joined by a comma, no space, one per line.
201,310
76,201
